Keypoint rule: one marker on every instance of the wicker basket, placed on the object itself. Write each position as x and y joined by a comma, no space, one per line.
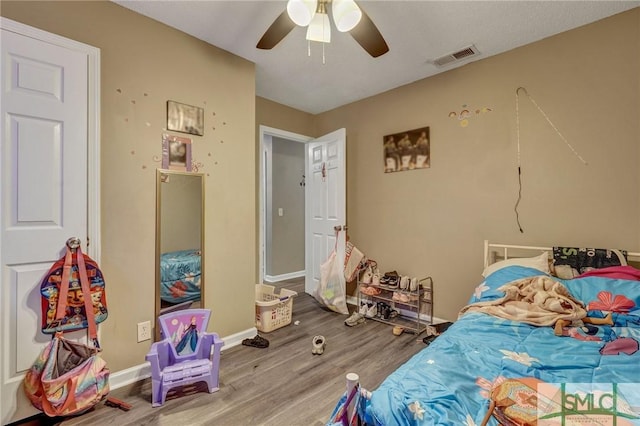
273,310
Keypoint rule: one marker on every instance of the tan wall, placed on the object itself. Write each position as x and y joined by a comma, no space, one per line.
144,64
433,221
278,116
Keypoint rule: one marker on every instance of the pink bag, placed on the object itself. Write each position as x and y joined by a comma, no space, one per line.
68,378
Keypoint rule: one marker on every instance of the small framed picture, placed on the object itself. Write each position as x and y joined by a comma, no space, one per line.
185,118
176,153
408,150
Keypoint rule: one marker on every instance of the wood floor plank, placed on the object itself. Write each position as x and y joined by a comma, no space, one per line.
284,384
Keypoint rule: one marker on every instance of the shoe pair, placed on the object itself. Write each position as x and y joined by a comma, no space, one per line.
370,291
256,342
407,283
385,311
372,310
318,343
400,297
355,319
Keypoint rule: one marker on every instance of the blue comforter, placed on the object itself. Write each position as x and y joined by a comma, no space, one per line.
448,383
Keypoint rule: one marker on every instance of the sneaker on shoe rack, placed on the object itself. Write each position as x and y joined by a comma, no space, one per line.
372,311
376,279
363,309
413,284
404,282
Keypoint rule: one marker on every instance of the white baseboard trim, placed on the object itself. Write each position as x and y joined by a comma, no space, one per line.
142,371
282,277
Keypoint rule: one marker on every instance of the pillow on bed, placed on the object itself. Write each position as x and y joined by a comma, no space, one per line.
540,263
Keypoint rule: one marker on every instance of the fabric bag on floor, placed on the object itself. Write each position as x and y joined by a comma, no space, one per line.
331,291
68,378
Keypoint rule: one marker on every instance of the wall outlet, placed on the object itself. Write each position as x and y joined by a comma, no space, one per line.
144,331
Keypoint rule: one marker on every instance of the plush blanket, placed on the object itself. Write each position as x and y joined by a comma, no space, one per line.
538,300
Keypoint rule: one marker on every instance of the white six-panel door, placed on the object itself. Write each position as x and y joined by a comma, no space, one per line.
48,123
325,199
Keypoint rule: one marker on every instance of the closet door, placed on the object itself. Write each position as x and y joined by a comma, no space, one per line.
45,132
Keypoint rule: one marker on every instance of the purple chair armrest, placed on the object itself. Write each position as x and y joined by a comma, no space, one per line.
159,356
210,341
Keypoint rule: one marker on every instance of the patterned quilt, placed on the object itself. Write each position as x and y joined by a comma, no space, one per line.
449,382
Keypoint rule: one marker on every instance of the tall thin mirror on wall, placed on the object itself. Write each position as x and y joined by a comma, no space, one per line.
179,241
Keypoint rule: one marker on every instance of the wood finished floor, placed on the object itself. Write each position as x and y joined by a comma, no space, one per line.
284,384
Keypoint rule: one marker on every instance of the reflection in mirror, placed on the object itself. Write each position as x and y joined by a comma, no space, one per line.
179,241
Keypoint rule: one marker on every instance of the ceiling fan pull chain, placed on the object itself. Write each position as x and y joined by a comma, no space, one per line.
323,62
309,48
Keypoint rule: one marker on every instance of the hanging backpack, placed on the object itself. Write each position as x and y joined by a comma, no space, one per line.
69,378
64,307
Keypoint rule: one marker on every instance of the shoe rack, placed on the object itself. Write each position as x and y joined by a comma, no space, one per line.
411,309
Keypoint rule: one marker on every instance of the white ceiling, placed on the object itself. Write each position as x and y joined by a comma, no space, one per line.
416,32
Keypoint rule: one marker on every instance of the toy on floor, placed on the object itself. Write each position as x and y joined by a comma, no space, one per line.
117,403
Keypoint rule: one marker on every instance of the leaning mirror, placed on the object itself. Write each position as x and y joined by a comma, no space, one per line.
179,241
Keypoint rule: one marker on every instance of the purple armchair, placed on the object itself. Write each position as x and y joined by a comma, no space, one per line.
186,354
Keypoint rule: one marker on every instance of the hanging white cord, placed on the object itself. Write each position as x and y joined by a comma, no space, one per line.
518,161
550,123
518,145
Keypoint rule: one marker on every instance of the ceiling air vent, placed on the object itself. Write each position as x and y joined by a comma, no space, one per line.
456,56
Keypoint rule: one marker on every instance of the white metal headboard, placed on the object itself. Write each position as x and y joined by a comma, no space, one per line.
634,256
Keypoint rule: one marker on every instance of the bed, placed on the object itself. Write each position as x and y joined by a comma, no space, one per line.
451,380
180,276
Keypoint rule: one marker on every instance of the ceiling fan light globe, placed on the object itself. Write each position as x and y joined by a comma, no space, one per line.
301,11
346,14
319,29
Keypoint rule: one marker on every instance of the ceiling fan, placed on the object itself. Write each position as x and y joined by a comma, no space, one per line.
347,17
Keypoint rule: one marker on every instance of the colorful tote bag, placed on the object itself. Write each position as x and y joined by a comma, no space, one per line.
68,378
73,286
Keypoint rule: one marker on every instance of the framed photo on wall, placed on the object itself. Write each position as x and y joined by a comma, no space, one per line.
408,150
176,153
185,118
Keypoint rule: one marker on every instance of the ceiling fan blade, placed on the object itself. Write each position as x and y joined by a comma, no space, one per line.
367,35
276,32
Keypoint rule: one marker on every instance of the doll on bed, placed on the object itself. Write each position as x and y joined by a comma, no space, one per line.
562,323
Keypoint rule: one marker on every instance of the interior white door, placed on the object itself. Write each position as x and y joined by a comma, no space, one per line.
44,133
325,202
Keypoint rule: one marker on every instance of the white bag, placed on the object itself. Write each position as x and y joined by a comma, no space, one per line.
331,291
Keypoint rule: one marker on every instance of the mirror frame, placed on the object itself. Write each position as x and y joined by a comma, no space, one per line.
159,180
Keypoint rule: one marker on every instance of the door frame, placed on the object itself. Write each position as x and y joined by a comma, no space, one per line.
92,239
266,134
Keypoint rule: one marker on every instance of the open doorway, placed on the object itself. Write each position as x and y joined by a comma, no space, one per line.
282,205
323,191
